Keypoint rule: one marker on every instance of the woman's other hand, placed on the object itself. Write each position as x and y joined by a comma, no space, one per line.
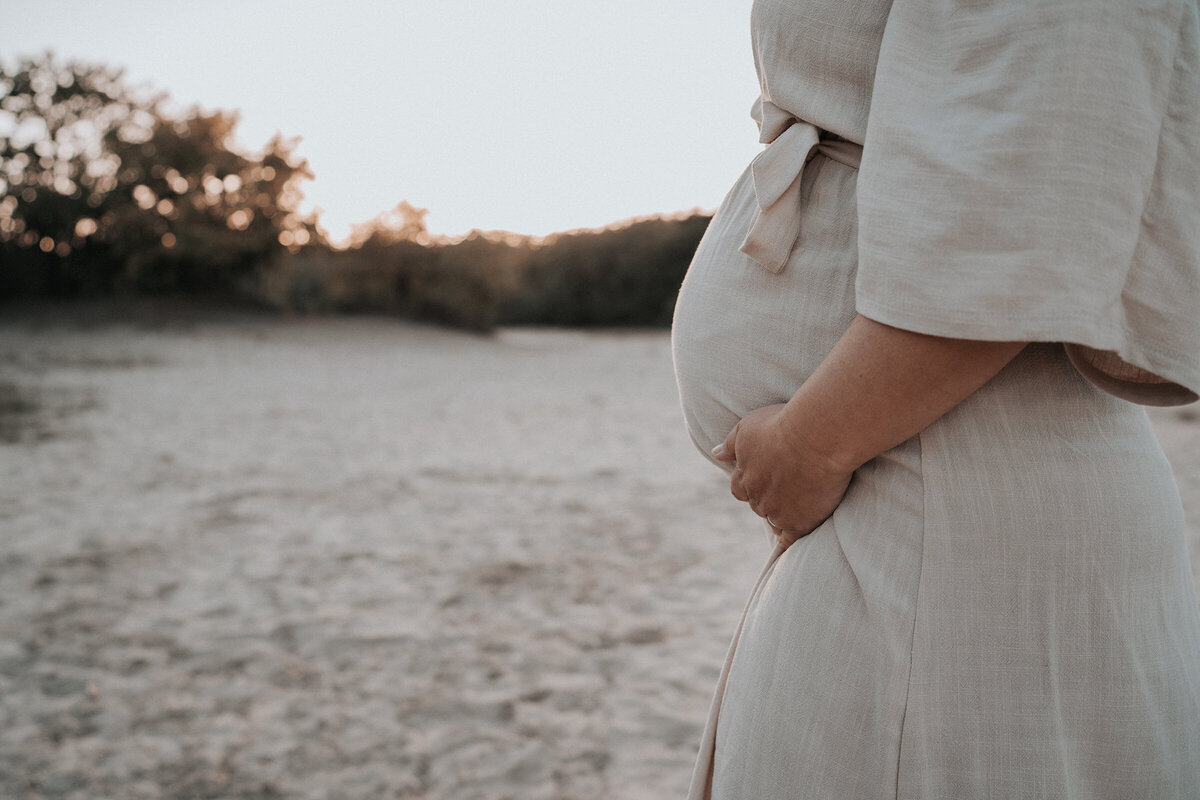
781,475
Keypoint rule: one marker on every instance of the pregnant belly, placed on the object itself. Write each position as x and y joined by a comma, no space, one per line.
744,337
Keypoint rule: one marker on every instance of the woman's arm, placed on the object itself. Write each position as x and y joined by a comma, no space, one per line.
878,387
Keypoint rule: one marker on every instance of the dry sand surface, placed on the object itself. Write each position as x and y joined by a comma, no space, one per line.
247,557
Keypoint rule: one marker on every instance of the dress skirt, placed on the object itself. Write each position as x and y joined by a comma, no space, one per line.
1001,607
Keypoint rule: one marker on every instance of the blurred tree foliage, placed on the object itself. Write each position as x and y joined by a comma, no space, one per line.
102,191
393,266
619,276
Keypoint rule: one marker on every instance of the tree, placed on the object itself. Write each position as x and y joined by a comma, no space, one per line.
101,190
404,223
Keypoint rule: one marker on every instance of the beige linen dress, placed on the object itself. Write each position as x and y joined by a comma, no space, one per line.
1002,606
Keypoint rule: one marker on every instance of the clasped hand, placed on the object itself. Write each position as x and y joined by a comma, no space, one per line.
781,475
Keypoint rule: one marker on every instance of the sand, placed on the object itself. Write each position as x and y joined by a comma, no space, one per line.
253,557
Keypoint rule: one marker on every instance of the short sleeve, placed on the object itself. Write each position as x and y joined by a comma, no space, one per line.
1031,171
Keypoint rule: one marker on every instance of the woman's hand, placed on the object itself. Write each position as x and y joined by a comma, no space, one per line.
877,387
781,475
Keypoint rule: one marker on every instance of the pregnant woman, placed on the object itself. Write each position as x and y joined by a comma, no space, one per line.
917,333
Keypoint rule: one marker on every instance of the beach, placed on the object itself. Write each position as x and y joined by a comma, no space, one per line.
249,556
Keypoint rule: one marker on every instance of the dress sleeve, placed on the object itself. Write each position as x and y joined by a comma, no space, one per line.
1031,171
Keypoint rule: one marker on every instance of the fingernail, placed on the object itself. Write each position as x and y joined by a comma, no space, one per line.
719,450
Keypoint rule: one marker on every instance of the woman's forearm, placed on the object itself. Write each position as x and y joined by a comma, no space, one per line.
882,385
878,386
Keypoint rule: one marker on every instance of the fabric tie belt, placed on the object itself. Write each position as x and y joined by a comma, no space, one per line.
776,172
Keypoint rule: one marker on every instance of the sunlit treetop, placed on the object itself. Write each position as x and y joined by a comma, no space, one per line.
97,173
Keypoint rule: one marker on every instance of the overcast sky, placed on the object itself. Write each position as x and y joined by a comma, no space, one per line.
527,115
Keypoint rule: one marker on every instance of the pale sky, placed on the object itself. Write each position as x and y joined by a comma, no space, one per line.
527,115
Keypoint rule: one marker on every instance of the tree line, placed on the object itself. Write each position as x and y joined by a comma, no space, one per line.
105,192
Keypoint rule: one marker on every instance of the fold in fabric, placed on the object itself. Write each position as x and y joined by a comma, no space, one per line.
1032,172
777,173
701,786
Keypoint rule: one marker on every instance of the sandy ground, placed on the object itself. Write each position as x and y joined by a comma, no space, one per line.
245,557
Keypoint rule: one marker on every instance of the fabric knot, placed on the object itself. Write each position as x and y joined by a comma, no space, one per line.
776,174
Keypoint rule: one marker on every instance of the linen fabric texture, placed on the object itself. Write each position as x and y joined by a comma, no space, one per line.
1032,171
1002,606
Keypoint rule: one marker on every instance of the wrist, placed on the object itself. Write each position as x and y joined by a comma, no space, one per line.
804,429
